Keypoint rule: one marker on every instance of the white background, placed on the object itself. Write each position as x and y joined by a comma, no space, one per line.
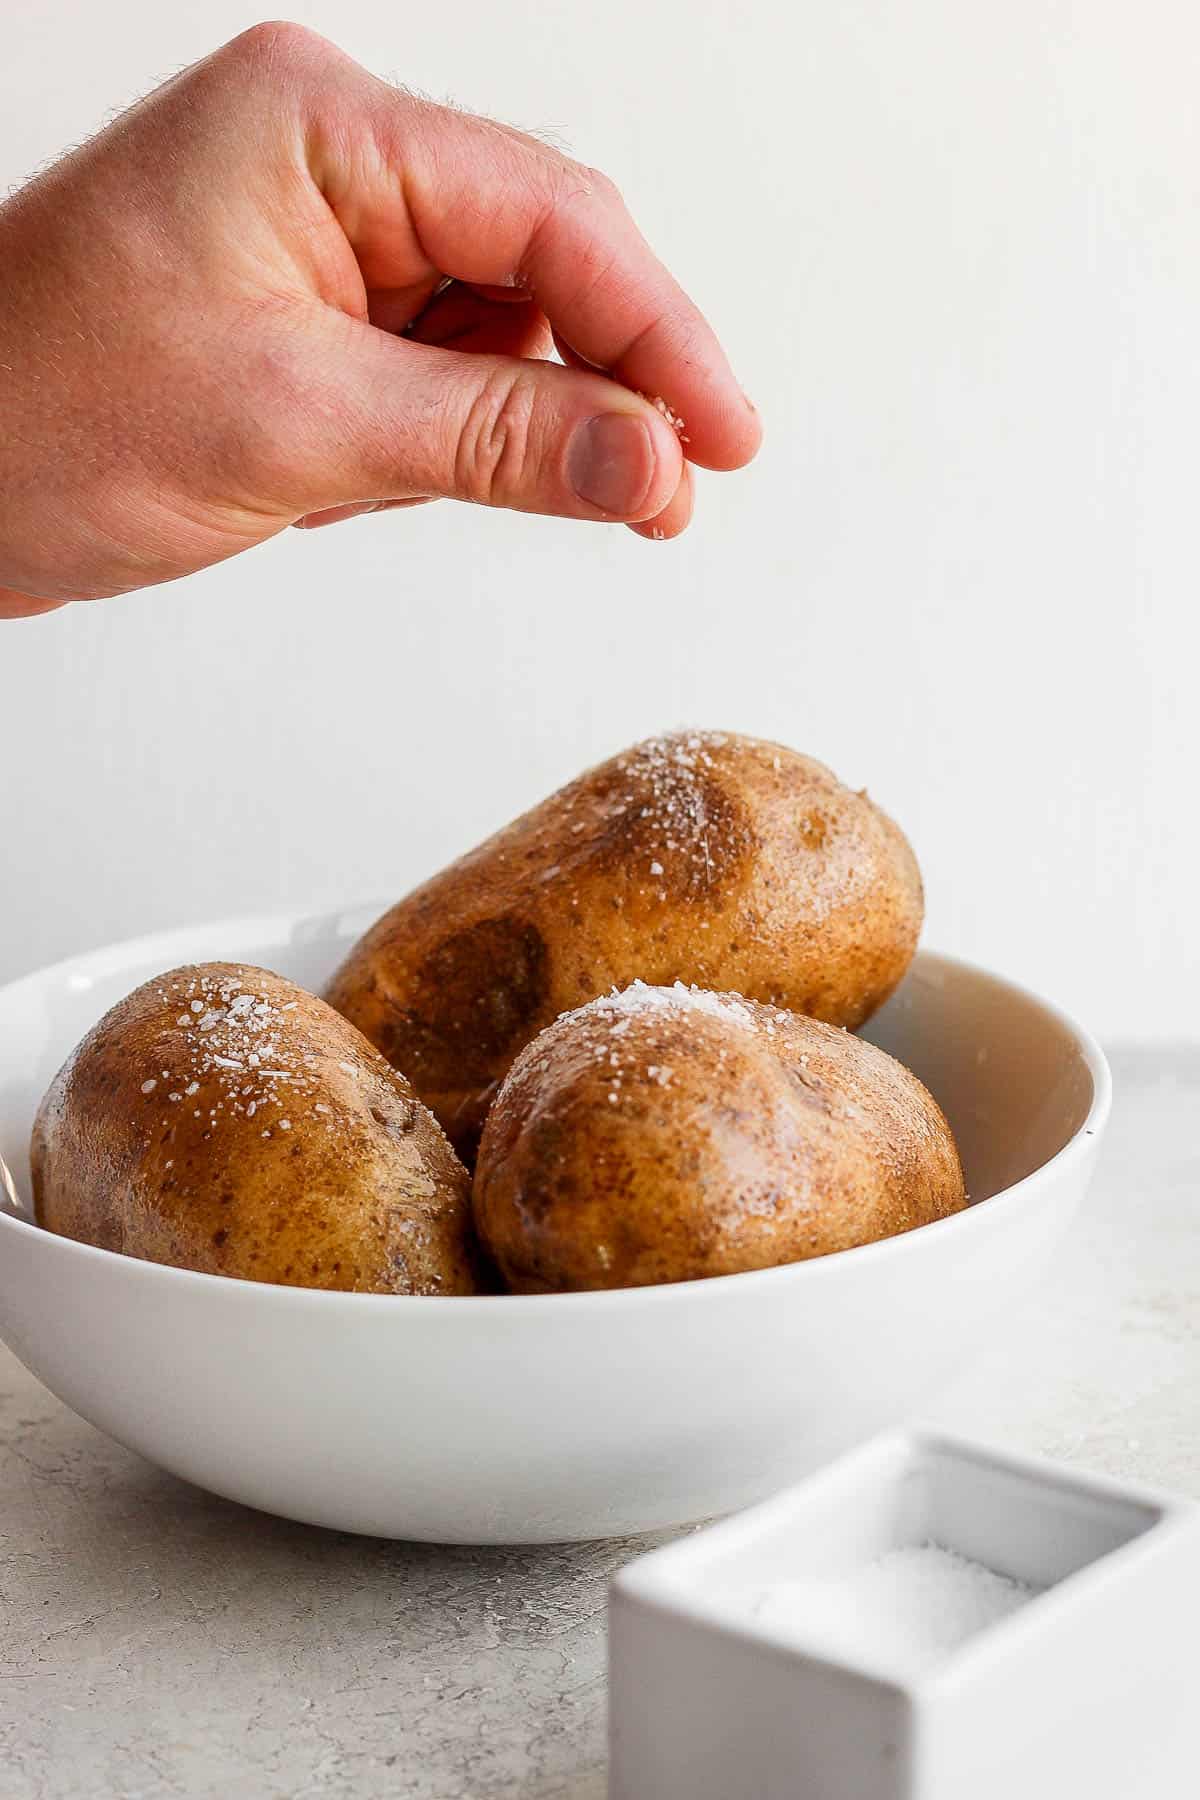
954,251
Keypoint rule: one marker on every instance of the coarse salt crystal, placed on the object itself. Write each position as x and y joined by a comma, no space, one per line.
641,997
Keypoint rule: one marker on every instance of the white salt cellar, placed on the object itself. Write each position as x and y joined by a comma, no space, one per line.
924,1620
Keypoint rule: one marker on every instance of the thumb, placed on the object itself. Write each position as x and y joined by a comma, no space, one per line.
397,419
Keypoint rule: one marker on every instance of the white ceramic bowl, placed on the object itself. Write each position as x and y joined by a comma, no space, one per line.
560,1416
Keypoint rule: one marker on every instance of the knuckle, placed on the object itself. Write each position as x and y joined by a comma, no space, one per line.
599,185
274,44
495,452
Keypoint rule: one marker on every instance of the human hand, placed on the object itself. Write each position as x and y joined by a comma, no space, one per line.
200,319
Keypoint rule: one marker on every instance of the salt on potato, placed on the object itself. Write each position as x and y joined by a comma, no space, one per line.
663,1134
699,856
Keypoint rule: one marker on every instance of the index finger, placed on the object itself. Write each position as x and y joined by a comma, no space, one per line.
490,206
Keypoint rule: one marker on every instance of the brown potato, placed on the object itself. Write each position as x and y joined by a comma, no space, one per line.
222,1119
668,1134
700,857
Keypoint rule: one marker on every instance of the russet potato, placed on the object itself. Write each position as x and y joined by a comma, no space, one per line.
702,857
666,1134
223,1119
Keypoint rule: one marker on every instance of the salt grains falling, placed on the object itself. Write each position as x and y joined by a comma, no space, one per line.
908,1609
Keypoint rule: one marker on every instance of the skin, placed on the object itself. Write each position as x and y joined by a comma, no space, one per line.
315,1166
669,1144
701,857
200,326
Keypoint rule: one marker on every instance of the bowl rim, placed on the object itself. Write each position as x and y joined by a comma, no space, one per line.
110,958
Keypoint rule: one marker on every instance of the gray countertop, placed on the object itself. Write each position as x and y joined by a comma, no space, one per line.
157,1642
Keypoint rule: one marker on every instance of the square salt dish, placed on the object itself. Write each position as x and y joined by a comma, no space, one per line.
1049,1647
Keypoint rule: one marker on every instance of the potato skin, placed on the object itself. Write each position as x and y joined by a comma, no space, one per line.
223,1119
664,1135
702,857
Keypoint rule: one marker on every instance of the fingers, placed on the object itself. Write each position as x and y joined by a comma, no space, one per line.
463,320
412,419
675,516
492,208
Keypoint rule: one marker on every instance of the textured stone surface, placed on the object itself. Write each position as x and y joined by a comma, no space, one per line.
156,1642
